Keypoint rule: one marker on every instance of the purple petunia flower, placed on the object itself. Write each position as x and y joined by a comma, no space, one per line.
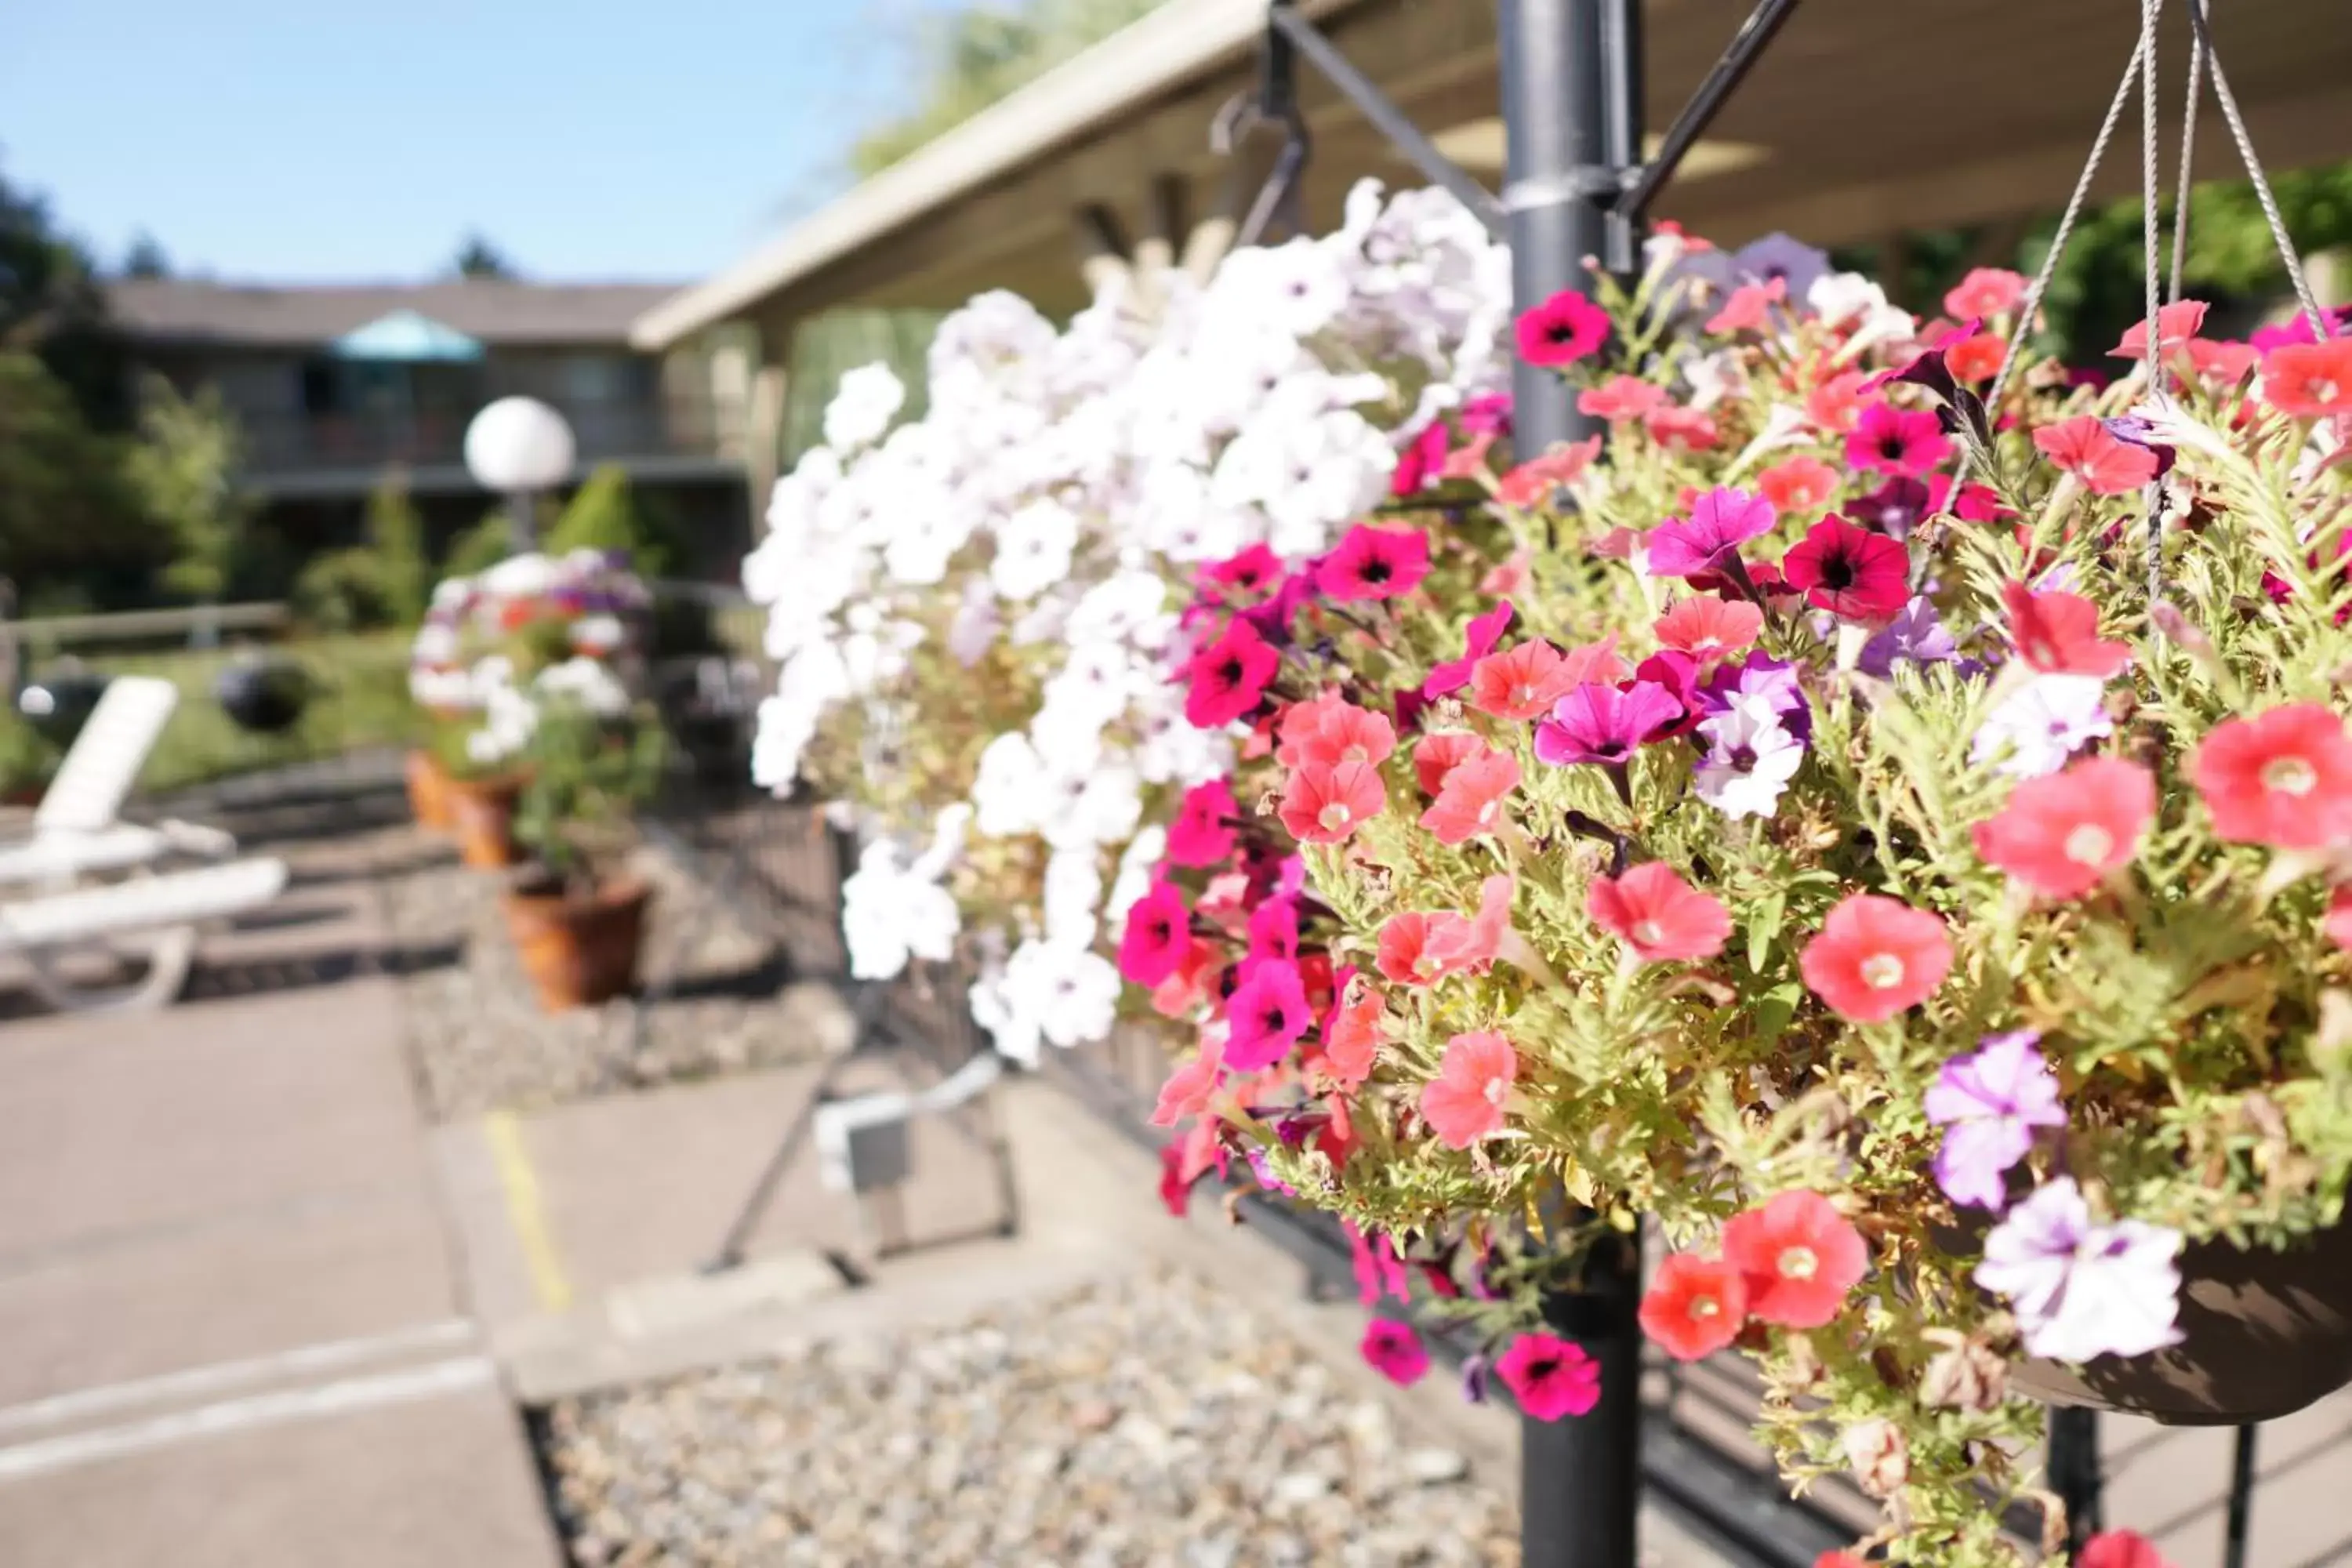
1917,634
2081,1289
1989,1103
1474,1379
1599,723
1765,684
1894,508
2138,432
1720,521
1778,256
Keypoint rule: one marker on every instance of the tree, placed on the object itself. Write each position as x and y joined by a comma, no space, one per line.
984,53
605,514
396,538
478,258
145,259
184,466
50,304
70,521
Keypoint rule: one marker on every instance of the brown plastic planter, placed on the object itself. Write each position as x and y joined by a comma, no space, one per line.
482,813
580,951
2264,1333
429,792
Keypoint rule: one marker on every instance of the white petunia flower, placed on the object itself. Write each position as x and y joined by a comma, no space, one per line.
2041,724
1750,760
1033,549
863,406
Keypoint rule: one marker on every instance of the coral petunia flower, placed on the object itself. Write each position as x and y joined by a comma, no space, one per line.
1395,1352
2224,364
1201,834
1157,938
2061,835
1471,800
1799,1257
1478,640
1562,330
1657,914
1225,680
1681,429
1695,1306
2283,778
2175,325
1720,521
1464,1103
1854,574
2309,379
1402,955
1835,406
1374,563
1975,358
1549,1376
1750,307
2058,633
1330,731
1191,1088
1620,398
1421,949
1351,1040
2084,447
1708,628
1524,683
1532,483
1985,291
1435,755
1888,438
1266,1013
1325,804
1875,957
1800,487
2120,1549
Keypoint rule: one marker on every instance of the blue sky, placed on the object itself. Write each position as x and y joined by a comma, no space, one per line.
296,141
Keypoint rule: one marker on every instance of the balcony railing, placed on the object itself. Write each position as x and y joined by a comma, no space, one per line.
278,445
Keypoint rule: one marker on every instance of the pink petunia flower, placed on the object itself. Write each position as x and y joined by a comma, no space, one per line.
1620,398
1157,937
1464,1103
2084,447
1564,328
1986,291
1695,1306
1875,957
1514,574
1191,1088
1435,755
1266,1013
1395,1352
1533,482
1522,683
1750,307
1799,1257
2175,325
1202,834
2061,835
1351,1040
1800,487
2057,633
1657,914
2308,380
1470,801
1479,641
1323,804
1893,441
2120,1549
1330,730
1374,563
1835,406
1418,949
1226,680
1709,628
2223,364
1854,574
1679,429
2283,778
1549,1376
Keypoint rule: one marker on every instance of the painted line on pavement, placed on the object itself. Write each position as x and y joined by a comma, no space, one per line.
29,1460
526,1211
305,1361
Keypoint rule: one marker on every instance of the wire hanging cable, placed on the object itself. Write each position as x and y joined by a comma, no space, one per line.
2188,161
2152,12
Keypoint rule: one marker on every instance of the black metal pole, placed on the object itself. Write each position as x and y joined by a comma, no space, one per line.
2242,1499
1571,104
2076,1474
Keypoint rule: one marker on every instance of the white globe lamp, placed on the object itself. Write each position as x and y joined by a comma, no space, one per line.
518,446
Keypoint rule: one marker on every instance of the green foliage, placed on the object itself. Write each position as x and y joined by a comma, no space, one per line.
983,53
588,774
50,303
344,591
480,547
478,258
145,259
396,535
68,514
184,466
27,760
605,514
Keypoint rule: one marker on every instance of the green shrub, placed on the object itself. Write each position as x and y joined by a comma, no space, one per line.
396,535
605,514
480,547
346,591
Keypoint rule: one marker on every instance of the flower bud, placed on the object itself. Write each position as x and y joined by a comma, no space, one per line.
1879,1456
1965,1376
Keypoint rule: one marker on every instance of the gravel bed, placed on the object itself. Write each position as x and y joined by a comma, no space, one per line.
480,1042
1144,1421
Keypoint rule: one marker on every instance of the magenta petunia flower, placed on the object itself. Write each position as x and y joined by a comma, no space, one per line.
1374,563
1395,1352
1549,1376
1562,330
1888,438
1201,834
1989,1103
1225,680
1720,521
1854,574
1158,936
1598,723
1266,1014
1484,631
1422,459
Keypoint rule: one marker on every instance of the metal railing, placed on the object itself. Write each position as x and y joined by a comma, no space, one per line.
278,444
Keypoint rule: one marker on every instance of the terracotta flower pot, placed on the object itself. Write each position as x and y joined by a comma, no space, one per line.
482,812
2264,1333
580,951
429,792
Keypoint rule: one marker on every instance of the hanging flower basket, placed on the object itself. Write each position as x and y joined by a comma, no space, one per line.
59,701
578,950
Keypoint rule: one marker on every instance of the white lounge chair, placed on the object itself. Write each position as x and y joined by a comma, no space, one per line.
48,929
76,830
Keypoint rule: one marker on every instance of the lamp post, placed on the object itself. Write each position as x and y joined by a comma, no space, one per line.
516,447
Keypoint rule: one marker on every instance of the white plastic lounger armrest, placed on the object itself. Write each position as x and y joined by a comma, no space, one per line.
174,899
61,854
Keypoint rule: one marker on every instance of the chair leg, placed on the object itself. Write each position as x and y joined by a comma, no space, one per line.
168,962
